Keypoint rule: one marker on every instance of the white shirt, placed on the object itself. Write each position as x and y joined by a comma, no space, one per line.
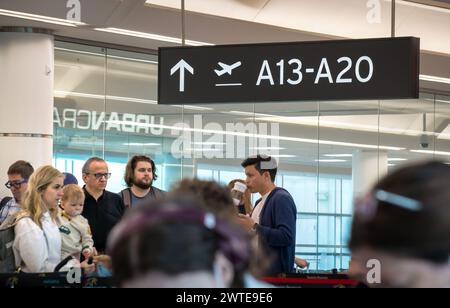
258,208
37,250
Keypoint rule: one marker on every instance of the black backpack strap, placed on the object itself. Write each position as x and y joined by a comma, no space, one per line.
159,194
12,220
4,201
126,196
61,264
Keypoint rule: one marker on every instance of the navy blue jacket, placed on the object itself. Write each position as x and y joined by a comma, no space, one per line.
277,229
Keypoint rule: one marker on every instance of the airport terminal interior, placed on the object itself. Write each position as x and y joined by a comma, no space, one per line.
105,101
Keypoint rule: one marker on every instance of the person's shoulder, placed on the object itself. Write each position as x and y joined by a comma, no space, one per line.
112,195
281,193
159,191
283,196
11,202
22,214
113,199
79,222
79,219
24,223
11,219
126,189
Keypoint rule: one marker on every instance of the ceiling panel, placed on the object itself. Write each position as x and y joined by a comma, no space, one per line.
343,18
239,9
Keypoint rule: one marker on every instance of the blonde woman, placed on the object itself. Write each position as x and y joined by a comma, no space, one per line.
37,242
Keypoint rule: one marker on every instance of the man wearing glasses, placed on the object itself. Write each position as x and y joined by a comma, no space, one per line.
103,209
18,175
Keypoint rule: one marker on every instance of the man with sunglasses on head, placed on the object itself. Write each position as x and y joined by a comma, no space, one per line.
102,209
18,175
274,216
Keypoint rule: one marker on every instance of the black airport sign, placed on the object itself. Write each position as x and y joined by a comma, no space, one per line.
321,70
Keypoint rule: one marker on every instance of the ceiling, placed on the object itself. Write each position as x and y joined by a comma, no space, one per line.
344,18
255,21
250,21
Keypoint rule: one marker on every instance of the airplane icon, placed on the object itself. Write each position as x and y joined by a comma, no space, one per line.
227,69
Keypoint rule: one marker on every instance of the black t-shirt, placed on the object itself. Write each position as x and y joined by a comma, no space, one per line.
102,216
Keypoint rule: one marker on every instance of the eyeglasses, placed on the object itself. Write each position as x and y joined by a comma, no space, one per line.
98,176
15,184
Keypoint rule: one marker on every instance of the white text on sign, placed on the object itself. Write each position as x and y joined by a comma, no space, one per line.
297,73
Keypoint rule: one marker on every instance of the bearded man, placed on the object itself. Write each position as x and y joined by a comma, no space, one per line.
139,176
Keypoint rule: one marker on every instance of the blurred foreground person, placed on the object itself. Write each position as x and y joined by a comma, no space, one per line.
217,199
176,244
401,230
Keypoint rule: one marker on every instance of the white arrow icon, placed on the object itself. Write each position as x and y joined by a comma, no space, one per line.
182,66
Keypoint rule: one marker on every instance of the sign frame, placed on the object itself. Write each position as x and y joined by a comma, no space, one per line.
363,69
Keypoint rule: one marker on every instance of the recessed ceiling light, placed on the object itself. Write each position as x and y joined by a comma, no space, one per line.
64,94
338,155
42,18
178,165
431,152
199,108
261,136
434,79
141,144
267,148
208,143
202,150
397,159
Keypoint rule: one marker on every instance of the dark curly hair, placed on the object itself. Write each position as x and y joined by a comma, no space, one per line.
215,197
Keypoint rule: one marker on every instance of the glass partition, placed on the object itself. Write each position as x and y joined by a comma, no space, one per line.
79,110
105,105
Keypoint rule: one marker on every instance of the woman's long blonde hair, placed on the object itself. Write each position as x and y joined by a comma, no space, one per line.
33,203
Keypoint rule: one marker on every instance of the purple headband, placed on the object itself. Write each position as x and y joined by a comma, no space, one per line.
232,243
